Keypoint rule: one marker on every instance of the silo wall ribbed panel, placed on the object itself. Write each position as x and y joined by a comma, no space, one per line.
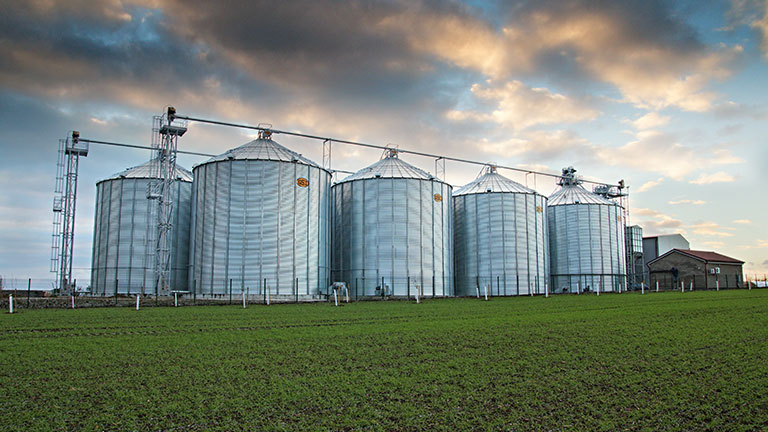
500,243
393,232
586,247
256,227
124,215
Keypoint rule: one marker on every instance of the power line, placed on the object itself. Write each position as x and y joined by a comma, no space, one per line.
413,152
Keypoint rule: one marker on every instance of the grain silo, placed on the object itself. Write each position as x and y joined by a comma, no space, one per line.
500,237
392,231
586,239
260,222
125,230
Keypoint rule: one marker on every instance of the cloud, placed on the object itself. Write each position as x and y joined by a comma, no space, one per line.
655,222
662,153
742,221
651,120
519,107
718,177
650,184
687,201
761,25
709,229
714,244
538,145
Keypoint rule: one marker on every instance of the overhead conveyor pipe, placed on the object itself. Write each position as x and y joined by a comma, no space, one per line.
136,146
413,152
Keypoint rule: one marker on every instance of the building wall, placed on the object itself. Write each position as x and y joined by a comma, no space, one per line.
672,241
654,247
689,269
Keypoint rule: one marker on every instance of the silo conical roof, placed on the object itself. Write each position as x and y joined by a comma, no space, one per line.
143,171
262,148
572,192
492,181
576,194
390,166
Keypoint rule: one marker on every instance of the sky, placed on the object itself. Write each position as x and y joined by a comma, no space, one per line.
669,96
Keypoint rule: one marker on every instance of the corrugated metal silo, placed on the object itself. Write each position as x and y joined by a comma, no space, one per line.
260,219
500,237
392,231
123,255
586,239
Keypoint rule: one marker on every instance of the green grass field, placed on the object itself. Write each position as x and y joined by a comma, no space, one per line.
667,361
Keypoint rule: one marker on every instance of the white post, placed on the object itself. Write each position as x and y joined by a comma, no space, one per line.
137,302
10,303
598,289
243,299
682,286
578,287
642,287
691,286
717,285
267,295
530,289
175,299
346,290
546,290
486,292
73,302
335,296
477,291
657,286
417,294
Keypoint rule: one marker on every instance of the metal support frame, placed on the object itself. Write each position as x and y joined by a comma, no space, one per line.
64,206
327,152
166,131
440,168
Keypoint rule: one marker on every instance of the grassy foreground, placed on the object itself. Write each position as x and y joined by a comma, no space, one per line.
667,361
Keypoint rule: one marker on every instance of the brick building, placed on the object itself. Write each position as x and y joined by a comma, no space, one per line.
707,270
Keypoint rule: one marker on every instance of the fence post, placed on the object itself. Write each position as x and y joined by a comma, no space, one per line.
137,302
546,289
642,287
230,291
10,303
175,299
486,293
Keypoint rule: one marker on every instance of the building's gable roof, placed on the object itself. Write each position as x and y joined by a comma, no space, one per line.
706,256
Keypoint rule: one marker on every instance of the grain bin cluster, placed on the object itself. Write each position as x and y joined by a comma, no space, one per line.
263,219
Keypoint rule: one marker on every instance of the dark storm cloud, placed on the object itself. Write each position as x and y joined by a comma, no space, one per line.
325,47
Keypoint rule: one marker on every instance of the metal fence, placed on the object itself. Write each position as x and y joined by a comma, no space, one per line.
38,292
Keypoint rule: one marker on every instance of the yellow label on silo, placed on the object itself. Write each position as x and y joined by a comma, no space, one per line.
302,182
438,197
